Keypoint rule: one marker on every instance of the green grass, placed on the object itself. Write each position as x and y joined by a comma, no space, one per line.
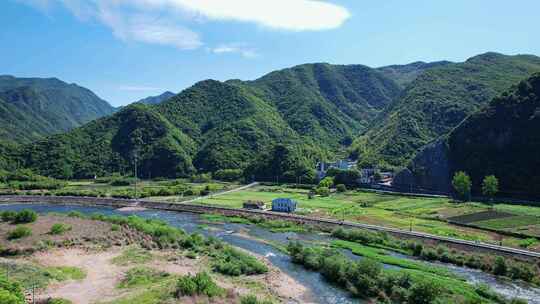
30,274
142,276
133,255
64,273
426,214
218,218
153,294
509,222
382,256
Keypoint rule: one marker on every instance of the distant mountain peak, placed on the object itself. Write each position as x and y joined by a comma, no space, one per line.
152,100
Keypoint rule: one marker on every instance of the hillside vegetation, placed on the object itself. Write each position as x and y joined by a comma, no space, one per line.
31,108
225,125
294,117
500,140
503,140
437,101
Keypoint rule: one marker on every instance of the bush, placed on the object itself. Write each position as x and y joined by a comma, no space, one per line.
322,191
423,292
59,301
19,232
341,188
25,216
140,276
228,175
251,299
8,216
499,268
200,178
10,292
233,262
59,228
186,286
200,284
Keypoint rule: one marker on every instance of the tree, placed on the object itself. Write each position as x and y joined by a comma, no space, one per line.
326,182
490,186
462,184
500,267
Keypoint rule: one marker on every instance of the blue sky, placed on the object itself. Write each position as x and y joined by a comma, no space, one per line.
128,49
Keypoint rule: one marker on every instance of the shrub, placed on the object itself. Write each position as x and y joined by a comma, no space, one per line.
122,181
341,188
115,227
499,268
423,292
59,301
234,263
140,276
186,286
25,216
10,292
201,178
19,232
200,284
322,191
8,216
251,299
228,175
59,228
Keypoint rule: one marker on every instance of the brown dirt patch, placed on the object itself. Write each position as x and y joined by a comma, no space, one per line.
101,275
82,231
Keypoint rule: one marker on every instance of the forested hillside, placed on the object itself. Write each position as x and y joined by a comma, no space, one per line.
31,108
328,103
229,125
437,101
111,144
311,111
501,139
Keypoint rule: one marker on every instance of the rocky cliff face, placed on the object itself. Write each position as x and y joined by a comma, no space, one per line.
429,171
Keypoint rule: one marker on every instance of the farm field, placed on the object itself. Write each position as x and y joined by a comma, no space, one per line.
428,215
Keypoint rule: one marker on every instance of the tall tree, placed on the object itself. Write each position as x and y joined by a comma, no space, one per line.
462,184
490,186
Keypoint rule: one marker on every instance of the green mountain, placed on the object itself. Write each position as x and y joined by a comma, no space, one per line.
111,144
152,100
226,125
327,103
501,139
404,74
437,101
31,108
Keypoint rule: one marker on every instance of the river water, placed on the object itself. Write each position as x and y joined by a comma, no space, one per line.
252,238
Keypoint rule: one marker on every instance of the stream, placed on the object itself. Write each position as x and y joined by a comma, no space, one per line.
252,238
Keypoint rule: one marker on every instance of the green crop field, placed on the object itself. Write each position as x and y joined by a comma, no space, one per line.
423,214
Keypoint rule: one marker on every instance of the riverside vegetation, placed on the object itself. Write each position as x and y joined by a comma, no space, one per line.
222,258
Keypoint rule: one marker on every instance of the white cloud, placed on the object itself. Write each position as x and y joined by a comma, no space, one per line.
139,88
294,15
166,22
238,48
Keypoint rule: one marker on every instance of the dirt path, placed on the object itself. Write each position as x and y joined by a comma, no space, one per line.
101,275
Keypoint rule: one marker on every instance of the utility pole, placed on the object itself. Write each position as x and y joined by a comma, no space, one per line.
135,161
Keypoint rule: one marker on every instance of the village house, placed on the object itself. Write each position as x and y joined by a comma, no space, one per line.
284,205
342,164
